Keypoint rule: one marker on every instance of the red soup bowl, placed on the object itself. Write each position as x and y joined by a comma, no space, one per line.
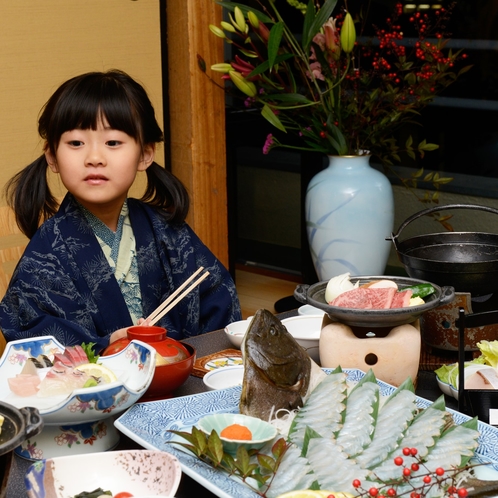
174,363
169,377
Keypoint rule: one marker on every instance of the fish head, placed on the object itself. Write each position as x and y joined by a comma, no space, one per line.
272,350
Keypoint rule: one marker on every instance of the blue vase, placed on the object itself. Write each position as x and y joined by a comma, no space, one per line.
349,214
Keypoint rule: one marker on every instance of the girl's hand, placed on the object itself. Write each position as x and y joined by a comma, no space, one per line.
118,334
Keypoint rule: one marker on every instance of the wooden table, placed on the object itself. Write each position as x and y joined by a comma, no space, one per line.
205,345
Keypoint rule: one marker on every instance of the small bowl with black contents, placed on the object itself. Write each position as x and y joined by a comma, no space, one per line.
237,430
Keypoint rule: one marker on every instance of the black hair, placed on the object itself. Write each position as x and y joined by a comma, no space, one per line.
81,103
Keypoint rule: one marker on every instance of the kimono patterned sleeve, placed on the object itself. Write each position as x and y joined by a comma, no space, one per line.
166,261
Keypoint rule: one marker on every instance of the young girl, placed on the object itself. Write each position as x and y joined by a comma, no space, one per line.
101,261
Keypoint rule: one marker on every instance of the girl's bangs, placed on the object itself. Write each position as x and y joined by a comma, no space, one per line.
87,111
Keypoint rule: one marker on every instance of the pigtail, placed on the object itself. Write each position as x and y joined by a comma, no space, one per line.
29,195
167,192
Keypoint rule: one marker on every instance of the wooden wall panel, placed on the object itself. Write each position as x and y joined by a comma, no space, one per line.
197,118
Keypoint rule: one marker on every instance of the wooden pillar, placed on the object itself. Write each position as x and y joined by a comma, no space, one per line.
197,118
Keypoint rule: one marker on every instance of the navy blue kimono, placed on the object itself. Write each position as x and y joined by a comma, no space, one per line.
63,285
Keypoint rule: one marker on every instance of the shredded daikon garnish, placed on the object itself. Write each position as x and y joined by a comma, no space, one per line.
282,420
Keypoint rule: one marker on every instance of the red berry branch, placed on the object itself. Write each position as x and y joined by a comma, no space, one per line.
444,480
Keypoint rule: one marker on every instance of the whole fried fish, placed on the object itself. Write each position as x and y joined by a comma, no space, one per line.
277,369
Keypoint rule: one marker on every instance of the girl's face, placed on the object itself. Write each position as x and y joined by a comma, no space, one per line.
98,167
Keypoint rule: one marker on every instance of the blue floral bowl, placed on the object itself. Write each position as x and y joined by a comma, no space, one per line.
81,421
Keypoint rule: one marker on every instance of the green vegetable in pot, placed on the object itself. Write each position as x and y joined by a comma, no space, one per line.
421,290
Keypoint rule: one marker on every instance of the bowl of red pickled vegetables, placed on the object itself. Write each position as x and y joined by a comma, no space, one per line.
114,474
235,430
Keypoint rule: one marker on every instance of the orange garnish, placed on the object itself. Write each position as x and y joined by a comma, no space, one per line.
237,432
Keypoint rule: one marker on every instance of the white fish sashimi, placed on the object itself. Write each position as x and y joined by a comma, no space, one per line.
361,414
294,472
421,434
323,412
392,422
331,467
456,442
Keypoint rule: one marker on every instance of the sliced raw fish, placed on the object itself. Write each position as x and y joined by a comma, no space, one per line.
293,473
323,411
63,359
76,354
392,422
24,384
61,379
454,444
421,434
361,415
332,468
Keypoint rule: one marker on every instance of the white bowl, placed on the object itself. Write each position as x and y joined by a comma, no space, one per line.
139,472
236,331
81,421
306,330
444,386
224,377
307,309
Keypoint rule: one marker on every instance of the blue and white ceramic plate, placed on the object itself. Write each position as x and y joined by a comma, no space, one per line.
148,425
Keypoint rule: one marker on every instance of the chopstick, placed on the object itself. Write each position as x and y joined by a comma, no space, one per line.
168,303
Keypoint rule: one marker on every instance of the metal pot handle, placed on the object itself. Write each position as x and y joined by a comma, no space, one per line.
33,420
447,295
301,293
415,216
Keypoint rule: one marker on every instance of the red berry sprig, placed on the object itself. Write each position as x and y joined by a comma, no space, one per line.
440,478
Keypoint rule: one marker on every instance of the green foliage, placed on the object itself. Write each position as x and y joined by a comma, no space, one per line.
247,465
88,348
337,100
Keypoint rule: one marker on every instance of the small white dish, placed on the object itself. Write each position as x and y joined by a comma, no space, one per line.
307,309
224,377
139,472
306,330
236,331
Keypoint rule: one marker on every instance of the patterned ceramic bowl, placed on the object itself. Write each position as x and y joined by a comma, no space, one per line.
81,421
138,472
